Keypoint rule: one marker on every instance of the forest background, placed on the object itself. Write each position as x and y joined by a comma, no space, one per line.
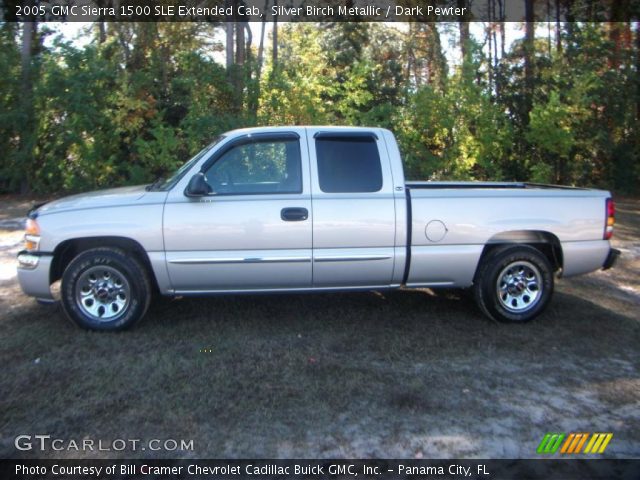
560,103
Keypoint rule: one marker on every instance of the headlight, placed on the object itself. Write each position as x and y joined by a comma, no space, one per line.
32,235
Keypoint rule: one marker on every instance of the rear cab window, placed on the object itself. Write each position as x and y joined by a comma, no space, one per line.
348,163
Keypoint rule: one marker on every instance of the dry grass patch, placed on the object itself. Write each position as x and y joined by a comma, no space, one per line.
391,374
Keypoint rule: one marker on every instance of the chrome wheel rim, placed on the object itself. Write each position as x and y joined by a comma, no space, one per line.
103,293
519,286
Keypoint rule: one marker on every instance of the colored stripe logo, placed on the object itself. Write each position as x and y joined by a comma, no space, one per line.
598,443
550,443
574,443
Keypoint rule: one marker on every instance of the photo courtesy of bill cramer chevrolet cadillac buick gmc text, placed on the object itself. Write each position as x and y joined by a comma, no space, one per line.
310,209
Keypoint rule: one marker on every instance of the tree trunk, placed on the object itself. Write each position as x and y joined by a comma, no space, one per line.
238,70
490,39
638,74
146,41
464,31
253,95
28,30
528,57
437,62
229,25
490,59
411,57
548,20
261,45
274,49
495,13
102,34
240,46
619,30
27,127
248,35
502,29
570,17
496,59
558,29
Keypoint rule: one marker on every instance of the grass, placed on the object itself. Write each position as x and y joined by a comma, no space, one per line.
393,374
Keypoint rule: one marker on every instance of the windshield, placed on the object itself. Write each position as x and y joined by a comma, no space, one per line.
167,183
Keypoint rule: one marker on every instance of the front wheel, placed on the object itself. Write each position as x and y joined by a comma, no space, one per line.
105,289
513,284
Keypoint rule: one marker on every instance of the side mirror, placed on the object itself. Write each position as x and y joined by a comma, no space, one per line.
198,186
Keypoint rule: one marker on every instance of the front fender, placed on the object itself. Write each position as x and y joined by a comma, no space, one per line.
142,223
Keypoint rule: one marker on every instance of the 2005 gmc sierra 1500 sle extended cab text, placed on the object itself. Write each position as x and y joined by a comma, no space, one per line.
298,209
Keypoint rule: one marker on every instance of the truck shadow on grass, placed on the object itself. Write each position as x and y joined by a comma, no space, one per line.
390,374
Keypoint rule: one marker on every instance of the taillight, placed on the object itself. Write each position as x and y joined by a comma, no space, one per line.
611,218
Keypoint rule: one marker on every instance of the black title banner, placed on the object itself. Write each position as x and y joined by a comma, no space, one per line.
568,469
314,10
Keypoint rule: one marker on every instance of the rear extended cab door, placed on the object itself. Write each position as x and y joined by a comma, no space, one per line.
355,218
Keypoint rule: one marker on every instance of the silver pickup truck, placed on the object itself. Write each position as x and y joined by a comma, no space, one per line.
299,209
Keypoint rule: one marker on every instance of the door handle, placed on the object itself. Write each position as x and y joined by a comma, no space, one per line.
295,214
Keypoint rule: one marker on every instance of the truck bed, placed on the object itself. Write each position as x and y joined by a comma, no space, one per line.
418,185
451,222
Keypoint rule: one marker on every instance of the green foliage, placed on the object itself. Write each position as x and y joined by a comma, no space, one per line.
9,107
459,133
295,90
550,130
344,74
582,127
132,105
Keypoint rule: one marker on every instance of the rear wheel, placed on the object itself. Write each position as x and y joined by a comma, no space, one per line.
105,289
514,284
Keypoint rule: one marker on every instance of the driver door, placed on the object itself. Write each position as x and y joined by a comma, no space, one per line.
253,232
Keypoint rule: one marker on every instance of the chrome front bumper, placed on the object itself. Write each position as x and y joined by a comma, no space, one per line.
33,274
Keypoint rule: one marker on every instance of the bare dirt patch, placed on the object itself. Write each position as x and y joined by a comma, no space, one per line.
393,374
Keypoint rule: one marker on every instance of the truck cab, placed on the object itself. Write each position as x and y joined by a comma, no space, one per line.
274,219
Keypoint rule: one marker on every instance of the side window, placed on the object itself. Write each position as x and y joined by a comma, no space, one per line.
262,166
348,164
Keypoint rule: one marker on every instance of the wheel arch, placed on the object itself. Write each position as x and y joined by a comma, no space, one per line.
545,242
67,250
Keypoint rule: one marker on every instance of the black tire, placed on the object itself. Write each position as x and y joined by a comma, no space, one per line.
106,280
518,268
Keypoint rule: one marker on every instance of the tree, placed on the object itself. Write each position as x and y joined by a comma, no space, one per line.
464,30
426,62
12,166
139,98
27,73
529,53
